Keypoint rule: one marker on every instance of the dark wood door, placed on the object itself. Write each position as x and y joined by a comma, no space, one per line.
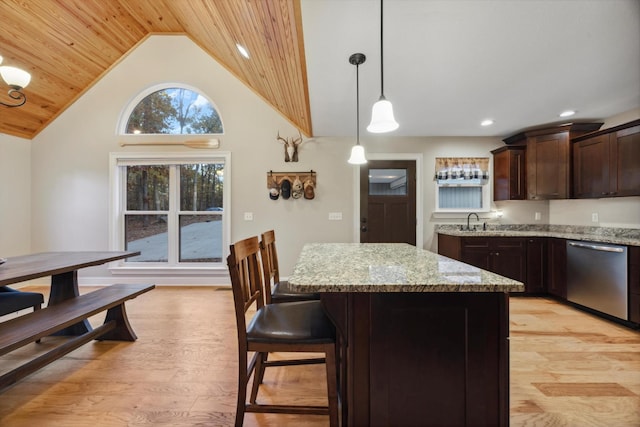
388,201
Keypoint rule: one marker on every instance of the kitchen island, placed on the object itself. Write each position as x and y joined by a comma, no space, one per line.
424,338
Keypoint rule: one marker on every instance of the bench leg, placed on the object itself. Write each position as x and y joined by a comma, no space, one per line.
123,330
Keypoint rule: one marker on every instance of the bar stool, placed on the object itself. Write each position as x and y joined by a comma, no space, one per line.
286,327
277,291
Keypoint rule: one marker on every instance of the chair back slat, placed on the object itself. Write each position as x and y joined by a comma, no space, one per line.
246,278
269,257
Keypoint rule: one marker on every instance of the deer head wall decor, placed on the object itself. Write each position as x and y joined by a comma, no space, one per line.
291,147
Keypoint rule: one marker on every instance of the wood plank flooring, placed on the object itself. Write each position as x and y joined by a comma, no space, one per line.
568,368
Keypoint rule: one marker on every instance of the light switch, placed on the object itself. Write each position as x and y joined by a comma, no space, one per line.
335,216
248,216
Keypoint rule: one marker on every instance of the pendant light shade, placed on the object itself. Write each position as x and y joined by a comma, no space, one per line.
357,151
357,155
382,119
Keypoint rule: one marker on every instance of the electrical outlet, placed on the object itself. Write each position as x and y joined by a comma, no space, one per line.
248,216
335,216
537,216
594,217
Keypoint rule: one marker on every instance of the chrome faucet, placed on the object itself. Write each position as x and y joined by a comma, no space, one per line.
469,217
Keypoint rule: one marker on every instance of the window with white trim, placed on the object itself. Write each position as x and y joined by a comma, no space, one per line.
171,207
462,184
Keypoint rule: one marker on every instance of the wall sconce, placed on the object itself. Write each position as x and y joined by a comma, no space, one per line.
357,151
17,80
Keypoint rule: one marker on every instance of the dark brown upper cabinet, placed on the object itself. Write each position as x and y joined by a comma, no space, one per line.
607,163
509,173
548,160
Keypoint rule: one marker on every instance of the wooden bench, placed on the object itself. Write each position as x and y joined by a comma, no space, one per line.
30,327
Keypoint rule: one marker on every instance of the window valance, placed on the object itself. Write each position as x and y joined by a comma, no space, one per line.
461,169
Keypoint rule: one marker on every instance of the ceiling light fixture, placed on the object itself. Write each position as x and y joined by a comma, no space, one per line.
382,119
567,113
357,151
243,50
487,122
17,80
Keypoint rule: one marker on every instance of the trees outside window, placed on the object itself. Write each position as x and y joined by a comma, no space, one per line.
171,208
174,111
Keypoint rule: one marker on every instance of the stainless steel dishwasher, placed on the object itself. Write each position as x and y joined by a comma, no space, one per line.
597,277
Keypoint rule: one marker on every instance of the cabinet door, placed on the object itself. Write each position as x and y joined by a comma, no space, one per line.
508,173
508,258
624,162
536,265
548,166
475,251
557,267
591,167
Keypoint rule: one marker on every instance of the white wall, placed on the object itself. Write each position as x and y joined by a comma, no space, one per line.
15,196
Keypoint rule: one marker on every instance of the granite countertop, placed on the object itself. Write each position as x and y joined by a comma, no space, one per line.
389,267
619,236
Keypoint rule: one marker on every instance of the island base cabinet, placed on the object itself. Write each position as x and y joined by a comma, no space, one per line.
424,359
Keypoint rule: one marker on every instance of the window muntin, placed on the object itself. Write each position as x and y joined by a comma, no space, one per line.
170,207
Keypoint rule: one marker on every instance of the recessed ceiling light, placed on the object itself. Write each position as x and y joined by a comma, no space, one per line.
487,122
567,113
243,51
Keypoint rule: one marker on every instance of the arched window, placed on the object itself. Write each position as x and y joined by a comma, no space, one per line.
171,110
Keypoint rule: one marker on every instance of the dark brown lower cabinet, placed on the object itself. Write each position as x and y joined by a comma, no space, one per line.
536,267
506,256
634,284
423,359
539,262
557,267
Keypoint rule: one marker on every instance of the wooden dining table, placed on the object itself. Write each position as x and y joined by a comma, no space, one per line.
424,338
63,268
67,312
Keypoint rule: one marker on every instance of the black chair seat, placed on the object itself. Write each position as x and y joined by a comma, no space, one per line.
12,300
283,293
295,323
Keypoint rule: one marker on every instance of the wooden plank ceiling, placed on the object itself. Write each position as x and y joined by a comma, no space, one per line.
68,45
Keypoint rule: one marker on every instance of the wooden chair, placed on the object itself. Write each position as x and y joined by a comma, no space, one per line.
277,291
12,300
287,327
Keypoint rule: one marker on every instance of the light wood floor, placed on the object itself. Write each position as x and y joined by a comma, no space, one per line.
568,368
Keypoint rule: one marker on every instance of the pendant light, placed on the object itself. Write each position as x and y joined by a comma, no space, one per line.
357,151
382,119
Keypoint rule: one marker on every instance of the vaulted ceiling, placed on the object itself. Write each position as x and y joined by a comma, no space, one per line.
447,64
67,45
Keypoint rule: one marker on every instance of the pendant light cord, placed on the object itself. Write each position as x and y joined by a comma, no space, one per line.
357,104
381,56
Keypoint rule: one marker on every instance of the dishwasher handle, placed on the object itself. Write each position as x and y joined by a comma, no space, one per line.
597,247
